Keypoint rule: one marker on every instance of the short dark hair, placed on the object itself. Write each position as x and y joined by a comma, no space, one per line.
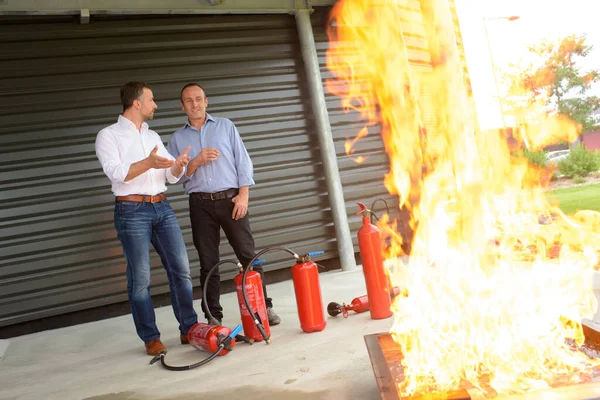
190,85
132,91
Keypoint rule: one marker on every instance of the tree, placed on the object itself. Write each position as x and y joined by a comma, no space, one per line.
555,80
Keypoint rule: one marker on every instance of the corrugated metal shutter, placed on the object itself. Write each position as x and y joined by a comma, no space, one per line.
364,182
59,85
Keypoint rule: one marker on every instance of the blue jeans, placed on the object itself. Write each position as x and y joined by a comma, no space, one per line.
138,225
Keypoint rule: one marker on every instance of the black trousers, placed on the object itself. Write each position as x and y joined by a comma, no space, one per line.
208,217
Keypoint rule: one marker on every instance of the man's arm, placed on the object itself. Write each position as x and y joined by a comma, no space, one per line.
243,163
245,170
107,151
137,168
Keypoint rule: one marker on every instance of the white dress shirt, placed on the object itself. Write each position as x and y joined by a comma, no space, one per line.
120,145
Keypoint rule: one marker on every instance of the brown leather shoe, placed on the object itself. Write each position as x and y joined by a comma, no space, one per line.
155,347
184,339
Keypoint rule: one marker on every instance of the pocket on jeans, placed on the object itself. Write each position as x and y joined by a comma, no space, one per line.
128,207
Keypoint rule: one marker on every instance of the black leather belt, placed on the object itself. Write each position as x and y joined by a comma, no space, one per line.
225,194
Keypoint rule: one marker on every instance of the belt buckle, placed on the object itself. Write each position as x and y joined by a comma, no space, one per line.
212,197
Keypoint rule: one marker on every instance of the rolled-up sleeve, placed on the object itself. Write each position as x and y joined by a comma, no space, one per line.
107,152
172,179
243,163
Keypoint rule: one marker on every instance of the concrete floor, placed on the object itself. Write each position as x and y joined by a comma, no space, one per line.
106,360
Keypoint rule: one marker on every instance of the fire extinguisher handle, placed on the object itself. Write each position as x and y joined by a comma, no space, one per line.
315,253
363,209
257,262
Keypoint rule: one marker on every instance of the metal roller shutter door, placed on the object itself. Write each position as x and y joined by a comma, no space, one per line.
59,85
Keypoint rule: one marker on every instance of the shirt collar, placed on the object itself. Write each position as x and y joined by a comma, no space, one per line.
208,118
128,124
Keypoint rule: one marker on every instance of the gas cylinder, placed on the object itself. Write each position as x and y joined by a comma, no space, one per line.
208,337
305,276
358,305
256,298
376,278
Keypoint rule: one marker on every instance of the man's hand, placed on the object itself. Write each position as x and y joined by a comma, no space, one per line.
157,162
240,209
183,158
181,162
207,154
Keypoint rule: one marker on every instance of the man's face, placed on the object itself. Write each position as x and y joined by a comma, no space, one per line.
147,104
194,102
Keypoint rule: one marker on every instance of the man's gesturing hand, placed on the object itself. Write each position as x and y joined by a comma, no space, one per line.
183,158
158,162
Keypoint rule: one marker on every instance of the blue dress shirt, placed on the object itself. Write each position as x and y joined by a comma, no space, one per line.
232,169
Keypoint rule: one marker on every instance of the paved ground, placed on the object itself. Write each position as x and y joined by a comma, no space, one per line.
105,360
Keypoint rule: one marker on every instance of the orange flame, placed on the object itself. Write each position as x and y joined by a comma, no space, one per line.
349,145
498,278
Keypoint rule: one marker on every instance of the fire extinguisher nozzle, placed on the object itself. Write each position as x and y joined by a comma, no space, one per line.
268,341
334,309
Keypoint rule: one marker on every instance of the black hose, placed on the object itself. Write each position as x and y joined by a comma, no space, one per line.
208,359
212,320
373,206
257,320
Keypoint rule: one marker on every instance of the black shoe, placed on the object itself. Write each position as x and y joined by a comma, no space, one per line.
273,318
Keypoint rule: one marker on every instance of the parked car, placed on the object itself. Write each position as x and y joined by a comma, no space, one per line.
557,156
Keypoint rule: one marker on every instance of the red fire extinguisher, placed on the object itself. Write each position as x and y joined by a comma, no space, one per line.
376,278
305,275
358,305
209,337
218,340
256,319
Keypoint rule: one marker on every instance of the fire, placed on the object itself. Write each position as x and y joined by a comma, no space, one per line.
349,146
498,277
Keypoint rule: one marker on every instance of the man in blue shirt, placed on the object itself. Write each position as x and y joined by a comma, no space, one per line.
217,180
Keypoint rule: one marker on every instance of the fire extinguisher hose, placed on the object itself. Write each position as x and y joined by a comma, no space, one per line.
208,359
373,207
212,320
257,320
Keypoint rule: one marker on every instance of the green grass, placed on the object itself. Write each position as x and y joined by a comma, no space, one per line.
578,198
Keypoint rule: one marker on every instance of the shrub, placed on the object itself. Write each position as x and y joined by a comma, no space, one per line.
578,180
537,158
580,162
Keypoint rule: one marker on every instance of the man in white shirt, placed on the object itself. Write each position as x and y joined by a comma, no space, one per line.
134,158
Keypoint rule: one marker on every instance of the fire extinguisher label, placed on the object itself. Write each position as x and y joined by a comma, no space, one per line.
251,292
